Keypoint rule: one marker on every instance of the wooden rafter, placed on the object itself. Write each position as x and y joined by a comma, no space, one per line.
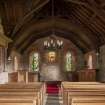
36,35
76,2
20,23
88,22
67,35
79,16
25,20
48,23
92,7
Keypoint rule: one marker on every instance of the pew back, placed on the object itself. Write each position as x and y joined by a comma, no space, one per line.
70,89
88,101
17,101
23,90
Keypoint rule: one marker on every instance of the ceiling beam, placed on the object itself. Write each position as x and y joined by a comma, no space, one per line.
74,39
76,2
32,40
59,23
98,11
34,35
25,18
82,32
60,33
81,15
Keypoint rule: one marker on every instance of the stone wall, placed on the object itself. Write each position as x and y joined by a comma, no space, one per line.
60,61
102,64
58,66
98,62
10,64
94,59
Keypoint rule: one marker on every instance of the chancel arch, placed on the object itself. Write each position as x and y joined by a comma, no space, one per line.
52,58
47,24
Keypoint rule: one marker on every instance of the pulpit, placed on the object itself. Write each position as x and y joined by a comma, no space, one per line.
86,75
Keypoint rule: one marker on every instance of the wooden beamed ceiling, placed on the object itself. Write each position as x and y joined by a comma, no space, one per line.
67,35
81,21
48,24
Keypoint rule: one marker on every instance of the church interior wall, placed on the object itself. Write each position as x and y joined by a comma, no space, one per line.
102,63
86,57
81,60
15,60
98,62
68,46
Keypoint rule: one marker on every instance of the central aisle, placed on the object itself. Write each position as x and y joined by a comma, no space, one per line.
53,93
54,99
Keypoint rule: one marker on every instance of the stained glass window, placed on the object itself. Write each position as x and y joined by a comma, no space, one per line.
35,62
69,61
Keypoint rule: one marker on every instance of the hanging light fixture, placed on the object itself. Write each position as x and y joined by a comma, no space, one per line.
52,42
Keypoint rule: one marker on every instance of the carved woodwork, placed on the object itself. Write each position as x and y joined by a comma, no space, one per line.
23,76
87,75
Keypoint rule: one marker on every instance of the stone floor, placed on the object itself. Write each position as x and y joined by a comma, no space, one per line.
54,99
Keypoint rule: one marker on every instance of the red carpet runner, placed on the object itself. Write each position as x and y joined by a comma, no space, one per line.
52,88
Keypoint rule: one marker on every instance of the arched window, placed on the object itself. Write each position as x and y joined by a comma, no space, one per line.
69,61
15,63
34,62
90,62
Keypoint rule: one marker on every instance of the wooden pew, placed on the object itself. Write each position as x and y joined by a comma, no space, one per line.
18,90
21,85
15,96
37,95
81,83
88,101
23,89
17,101
70,90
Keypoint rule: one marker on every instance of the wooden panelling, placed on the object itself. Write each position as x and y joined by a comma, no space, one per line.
86,75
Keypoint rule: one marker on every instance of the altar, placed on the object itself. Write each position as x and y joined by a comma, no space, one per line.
50,73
